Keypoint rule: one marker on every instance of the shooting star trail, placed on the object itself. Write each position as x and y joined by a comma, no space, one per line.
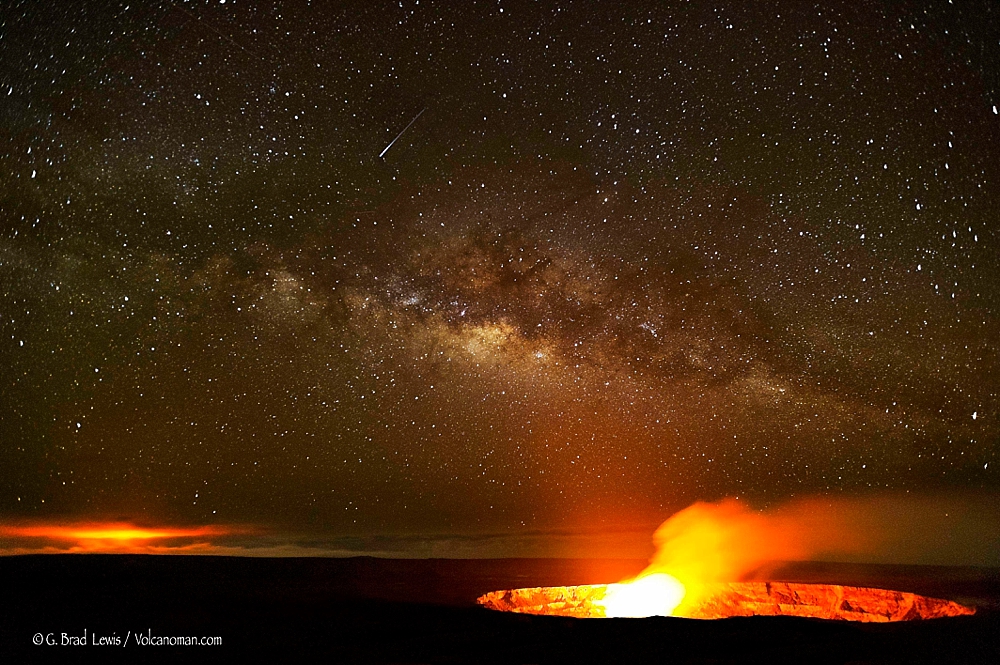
402,132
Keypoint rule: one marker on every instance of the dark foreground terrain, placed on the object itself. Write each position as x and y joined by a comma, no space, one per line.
406,611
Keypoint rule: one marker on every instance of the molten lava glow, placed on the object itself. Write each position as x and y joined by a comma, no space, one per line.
821,601
111,536
657,594
706,552
711,543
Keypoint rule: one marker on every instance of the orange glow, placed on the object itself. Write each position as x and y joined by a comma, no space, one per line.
114,532
705,553
114,537
821,601
657,594
711,543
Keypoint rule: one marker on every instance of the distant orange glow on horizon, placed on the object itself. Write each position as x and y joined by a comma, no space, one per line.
110,537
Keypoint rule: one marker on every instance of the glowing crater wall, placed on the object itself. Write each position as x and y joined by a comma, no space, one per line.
824,601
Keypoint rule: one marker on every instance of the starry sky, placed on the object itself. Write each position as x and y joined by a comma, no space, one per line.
622,257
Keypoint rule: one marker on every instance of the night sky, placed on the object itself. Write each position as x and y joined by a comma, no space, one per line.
625,256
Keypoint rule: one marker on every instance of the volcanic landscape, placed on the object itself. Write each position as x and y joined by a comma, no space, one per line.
501,331
368,610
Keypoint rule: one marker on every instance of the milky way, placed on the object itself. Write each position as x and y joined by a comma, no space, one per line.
628,257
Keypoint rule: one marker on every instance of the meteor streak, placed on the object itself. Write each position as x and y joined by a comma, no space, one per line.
402,132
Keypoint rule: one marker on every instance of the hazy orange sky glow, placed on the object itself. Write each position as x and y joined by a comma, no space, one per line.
116,537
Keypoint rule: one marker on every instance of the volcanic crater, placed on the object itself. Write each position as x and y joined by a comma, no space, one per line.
721,600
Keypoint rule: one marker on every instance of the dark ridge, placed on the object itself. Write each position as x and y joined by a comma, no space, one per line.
394,610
